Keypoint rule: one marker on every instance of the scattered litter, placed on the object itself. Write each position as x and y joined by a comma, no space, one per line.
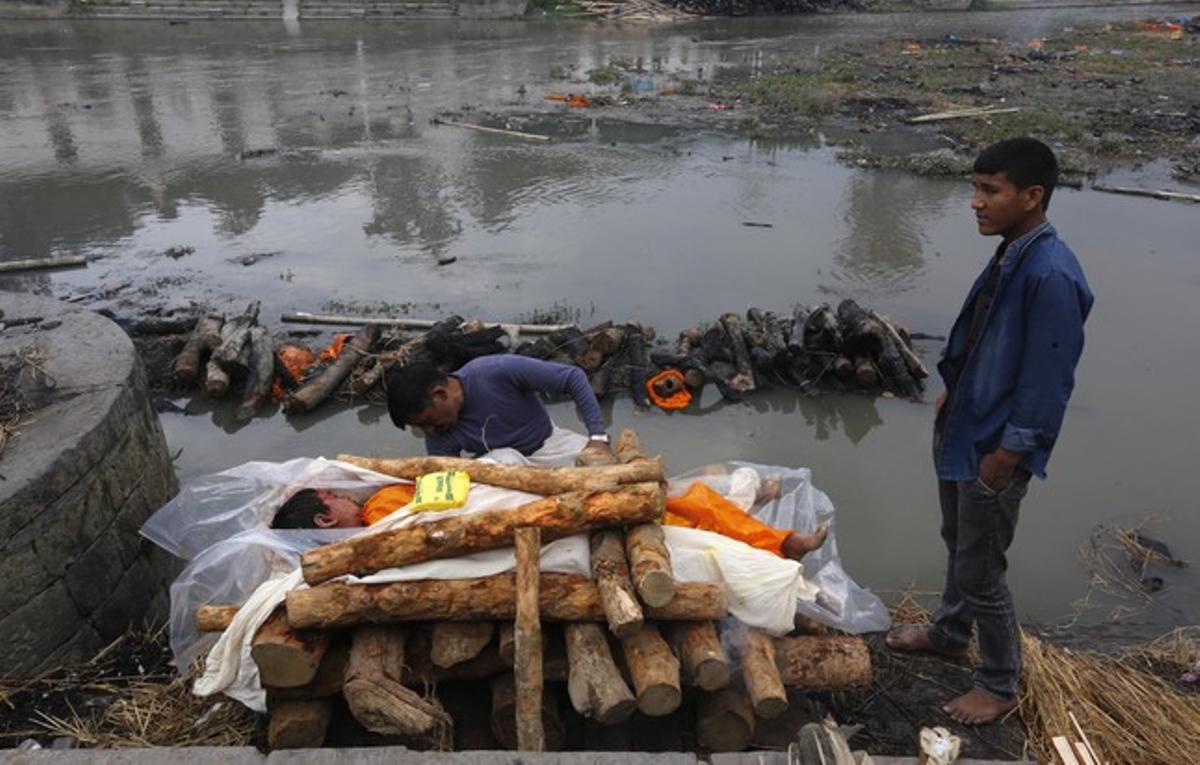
256,153
178,251
570,99
755,224
253,257
447,260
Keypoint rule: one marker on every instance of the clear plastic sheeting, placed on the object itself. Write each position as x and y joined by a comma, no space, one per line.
214,508
220,523
800,506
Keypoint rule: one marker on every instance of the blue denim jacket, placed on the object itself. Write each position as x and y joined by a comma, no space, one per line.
1012,390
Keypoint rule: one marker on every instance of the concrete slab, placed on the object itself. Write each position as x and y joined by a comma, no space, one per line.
402,756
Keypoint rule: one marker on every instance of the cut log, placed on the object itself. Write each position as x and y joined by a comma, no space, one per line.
862,336
843,368
743,381
374,692
214,618
287,658
330,677
611,572
893,371
299,724
654,671
629,447
595,685
563,597
725,720
216,380
456,642
821,334
823,662
262,374
650,564
420,672
915,366
534,480
232,353
639,364
777,359
795,332
200,344
527,656
504,715
557,517
768,697
312,394
703,659
864,373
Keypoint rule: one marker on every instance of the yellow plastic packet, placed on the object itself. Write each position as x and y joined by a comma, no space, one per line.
441,491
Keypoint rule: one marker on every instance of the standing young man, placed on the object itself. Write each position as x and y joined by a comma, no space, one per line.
1008,367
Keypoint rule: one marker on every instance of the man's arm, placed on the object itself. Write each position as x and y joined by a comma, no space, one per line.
1053,345
559,379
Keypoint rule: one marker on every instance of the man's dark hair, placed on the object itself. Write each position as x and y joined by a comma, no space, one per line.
1026,161
300,511
408,389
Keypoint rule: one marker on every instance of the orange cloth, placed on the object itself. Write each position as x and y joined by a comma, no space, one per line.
702,508
678,400
387,501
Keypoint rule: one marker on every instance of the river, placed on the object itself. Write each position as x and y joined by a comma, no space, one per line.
121,139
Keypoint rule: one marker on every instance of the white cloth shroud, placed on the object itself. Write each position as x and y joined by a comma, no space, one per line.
762,588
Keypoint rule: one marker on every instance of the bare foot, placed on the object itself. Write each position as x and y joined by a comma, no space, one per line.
979,707
797,545
914,638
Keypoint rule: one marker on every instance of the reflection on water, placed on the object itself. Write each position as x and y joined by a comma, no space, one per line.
121,140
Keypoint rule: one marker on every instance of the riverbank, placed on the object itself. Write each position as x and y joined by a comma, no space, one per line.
1106,96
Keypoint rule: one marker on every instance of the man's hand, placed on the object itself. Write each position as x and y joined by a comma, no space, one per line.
996,469
596,453
938,403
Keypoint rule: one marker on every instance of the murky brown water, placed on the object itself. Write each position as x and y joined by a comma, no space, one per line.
121,140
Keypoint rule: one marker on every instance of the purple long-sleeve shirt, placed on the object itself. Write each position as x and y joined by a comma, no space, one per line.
502,406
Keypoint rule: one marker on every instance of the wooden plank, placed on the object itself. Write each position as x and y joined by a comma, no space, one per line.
527,657
1062,747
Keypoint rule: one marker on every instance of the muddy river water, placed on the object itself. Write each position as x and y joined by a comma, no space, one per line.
120,140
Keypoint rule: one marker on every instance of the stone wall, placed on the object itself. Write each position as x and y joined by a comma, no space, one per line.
86,470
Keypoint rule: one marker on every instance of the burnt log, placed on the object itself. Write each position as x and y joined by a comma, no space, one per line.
743,381
205,338
312,394
262,374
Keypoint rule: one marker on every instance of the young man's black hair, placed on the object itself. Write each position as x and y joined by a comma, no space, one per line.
1026,161
300,511
408,388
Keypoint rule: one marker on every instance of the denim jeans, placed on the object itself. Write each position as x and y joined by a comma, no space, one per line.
978,526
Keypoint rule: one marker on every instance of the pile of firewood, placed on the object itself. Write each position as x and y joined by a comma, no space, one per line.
629,640
812,349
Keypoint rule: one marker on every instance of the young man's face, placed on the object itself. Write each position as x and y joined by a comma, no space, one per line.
440,415
340,512
999,205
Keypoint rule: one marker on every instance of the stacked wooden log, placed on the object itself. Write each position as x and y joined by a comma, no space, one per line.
628,641
815,348
812,349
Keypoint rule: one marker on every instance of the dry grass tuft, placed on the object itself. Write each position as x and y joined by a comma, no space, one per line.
155,714
1129,714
